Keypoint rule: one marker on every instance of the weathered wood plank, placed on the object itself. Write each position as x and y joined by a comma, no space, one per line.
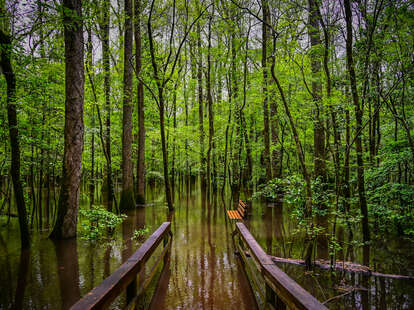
239,213
291,293
106,292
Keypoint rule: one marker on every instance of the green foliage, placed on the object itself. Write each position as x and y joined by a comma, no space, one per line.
292,190
390,199
100,223
155,177
139,234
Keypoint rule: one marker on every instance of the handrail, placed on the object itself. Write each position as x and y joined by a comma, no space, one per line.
124,278
281,290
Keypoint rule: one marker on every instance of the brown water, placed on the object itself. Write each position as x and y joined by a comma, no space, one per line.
203,271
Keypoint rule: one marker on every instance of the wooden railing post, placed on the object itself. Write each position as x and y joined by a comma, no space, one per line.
165,243
125,277
131,291
280,291
270,295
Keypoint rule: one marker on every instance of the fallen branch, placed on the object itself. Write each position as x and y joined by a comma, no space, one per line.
344,294
342,266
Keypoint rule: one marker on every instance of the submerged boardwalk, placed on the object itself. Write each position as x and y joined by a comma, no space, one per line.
200,271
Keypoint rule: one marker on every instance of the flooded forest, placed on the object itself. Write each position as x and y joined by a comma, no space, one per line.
263,150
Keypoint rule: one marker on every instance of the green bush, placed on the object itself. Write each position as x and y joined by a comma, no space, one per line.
100,223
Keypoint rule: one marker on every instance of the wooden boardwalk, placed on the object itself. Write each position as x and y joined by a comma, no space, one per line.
273,288
276,290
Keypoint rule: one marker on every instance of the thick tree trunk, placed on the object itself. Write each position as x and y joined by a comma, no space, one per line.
358,129
67,217
6,68
127,193
140,190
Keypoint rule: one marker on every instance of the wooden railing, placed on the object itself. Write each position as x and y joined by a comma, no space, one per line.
279,290
125,277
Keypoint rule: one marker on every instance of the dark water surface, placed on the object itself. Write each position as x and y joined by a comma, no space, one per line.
203,271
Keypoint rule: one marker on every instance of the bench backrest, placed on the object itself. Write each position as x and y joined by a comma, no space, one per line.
242,208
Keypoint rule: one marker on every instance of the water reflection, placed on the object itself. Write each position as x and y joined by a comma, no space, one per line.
68,272
341,290
22,279
203,271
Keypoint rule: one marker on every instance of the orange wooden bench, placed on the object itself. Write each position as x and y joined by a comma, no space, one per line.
238,214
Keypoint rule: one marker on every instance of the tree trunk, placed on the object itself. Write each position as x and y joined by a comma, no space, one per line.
92,177
358,129
301,155
6,68
67,217
235,148
265,38
173,170
211,146
161,107
200,111
319,131
140,190
108,184
127,193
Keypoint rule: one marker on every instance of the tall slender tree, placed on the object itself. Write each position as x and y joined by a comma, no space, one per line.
358,129
319,130
265,47
7,69
106,143
140,190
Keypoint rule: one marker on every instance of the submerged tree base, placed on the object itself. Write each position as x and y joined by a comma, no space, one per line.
127,201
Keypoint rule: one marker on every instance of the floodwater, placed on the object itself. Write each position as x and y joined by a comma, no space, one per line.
203,272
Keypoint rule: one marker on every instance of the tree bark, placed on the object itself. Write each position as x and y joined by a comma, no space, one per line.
107,92
67,217
7,69
235,148
161,107
211,146
358,129
92,177
319,131
265,38
140,190
127,193
200,111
